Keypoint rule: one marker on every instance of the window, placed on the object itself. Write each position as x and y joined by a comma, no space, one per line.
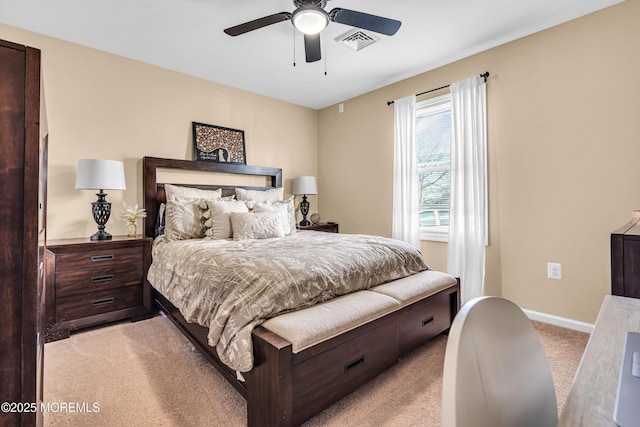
433,149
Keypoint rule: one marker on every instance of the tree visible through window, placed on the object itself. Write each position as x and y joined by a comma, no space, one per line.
433,149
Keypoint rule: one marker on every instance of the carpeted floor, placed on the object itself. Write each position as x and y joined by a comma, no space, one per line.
144,374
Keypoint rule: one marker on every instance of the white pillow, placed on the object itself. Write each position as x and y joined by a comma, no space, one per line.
263,225
192,193
183,214
272,195
287,209
217,224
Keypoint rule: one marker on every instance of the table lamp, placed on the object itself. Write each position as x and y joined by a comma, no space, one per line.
304,185
100,175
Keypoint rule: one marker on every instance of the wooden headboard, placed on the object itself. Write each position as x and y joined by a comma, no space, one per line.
154,192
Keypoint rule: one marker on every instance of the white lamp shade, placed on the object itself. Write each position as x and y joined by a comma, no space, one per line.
96,174
305,185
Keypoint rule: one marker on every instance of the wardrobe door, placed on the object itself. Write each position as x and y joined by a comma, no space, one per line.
19,270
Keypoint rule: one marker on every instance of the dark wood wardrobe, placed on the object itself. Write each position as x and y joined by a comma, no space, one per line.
22,234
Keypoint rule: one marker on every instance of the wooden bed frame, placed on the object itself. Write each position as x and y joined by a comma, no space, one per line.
286,388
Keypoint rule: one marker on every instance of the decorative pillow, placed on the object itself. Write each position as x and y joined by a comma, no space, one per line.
272,195
183,215
191,193
287,209
217,224
263,225
280,209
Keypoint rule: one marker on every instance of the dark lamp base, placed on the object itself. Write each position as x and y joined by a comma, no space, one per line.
304,210
100,235
101,211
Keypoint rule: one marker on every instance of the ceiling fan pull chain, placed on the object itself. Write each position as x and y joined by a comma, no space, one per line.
325,57
294,47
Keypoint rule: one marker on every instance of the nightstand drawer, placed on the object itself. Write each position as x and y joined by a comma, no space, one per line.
98,258
92,303
73,282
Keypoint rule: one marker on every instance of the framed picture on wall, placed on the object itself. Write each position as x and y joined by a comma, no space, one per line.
218,144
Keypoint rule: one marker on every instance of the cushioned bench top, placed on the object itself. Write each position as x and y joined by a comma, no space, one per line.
310,326
307,327
417,286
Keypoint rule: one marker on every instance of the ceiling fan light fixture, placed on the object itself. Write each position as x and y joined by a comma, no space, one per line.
310,19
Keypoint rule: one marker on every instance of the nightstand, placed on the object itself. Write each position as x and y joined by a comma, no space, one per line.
329,227
90,283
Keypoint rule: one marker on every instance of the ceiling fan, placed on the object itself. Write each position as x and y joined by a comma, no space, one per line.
310,18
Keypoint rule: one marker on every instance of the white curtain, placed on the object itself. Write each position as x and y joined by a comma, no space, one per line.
406,223
468,230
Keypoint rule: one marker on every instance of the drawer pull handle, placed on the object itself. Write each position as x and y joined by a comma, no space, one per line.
102,302
102,278
99,258
426,321
353,364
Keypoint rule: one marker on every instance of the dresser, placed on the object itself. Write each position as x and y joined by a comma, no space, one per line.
91,283
23,183
625,260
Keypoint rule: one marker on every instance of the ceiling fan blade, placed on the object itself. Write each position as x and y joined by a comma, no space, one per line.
312,47
365,21
258,23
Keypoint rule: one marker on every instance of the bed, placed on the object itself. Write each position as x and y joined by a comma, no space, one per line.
304,360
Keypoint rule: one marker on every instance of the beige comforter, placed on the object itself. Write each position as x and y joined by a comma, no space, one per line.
233,286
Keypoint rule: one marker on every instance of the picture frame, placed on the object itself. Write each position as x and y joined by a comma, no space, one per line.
218,144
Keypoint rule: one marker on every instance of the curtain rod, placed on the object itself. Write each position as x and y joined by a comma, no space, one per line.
484,76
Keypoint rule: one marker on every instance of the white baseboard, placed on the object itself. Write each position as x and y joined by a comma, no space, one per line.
559,321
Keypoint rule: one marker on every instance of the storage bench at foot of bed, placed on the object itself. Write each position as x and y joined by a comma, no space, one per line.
294,379
306,360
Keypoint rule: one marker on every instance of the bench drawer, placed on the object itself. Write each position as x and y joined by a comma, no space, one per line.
424,320
342,369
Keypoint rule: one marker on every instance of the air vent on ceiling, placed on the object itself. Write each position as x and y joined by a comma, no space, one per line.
357,39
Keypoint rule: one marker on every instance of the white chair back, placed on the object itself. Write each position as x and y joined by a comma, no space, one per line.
496,373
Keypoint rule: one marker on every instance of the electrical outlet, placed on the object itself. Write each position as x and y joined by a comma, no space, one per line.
554,271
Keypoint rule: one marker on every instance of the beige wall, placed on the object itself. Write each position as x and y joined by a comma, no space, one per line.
104,106
564,153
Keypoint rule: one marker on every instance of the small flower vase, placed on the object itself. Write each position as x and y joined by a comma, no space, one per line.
131,229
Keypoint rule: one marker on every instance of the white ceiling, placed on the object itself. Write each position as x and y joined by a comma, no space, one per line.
186,36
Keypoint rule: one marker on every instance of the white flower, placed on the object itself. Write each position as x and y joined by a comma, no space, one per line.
131,213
